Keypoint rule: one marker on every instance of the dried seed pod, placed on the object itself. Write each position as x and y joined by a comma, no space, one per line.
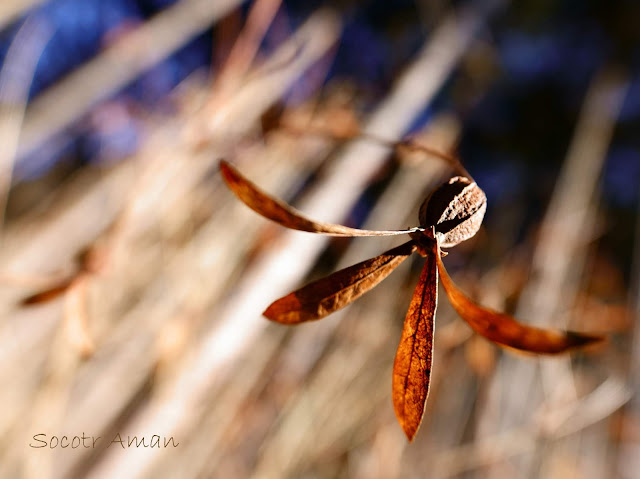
456,209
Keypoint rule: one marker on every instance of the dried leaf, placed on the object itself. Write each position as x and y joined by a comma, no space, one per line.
281,213
456,209
48,294
412,366
505,330
323,297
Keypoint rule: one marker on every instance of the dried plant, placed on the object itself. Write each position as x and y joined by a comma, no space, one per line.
89,262
451,214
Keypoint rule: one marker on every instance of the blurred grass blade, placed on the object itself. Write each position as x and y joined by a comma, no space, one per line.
505,330
412,366
281,213
76,317
323,297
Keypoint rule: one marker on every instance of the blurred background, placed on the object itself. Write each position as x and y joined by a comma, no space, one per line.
133,281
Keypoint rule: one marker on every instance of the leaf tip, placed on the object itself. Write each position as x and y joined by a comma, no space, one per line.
581,340
46,295
270,314
283,311
410,433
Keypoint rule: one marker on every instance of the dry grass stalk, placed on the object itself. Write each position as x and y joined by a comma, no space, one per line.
222,344
129,346
10,10
558,256
283,404
15,80
118,65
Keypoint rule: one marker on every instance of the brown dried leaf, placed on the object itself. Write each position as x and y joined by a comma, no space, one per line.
505,330
412,366
321,298
281,213
48,294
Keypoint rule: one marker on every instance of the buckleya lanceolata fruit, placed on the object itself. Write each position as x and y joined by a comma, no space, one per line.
455,209
451,214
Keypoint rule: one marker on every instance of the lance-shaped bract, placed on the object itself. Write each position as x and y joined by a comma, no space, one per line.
281,213
331,293
48,294
505,330
451,214
412,366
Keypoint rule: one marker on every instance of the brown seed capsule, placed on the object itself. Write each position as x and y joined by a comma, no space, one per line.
456,209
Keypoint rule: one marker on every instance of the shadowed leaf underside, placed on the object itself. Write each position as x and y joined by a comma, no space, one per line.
320,298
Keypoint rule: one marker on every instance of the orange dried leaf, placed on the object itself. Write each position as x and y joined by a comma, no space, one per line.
48,294
412,366
505,330
323,297
281,213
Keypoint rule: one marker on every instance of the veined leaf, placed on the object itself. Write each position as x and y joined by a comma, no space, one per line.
505,330
320,298
412,366
281,213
